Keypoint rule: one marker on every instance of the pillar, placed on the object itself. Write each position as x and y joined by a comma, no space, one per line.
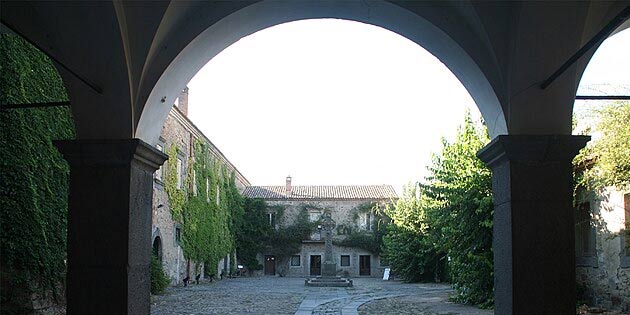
109,225
534,240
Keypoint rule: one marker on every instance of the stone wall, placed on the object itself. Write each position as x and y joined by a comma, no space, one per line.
179,131
605,280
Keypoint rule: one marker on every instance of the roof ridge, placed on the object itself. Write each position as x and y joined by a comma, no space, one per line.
379,192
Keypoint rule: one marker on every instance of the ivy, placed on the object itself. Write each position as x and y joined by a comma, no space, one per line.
256,235
34,183
371,240
251,231
207,205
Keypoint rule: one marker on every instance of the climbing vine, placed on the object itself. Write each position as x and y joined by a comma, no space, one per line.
256,235
34,183
207,205
370,240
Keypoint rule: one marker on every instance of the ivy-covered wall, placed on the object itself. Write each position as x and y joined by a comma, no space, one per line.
34,176
208,206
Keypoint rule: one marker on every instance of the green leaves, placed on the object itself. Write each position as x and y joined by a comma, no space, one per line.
448,218
34,183
209,216
159,280
605,161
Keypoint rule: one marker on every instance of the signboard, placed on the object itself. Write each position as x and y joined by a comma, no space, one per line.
386,274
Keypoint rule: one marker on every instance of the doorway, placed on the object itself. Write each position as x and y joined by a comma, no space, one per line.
270,265
316,265
364,265
157,248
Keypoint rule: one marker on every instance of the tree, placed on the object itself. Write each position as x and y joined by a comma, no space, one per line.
251,233
605,161
459,209
450,215
408,246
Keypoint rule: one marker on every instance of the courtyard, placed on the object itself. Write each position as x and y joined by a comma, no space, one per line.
276,295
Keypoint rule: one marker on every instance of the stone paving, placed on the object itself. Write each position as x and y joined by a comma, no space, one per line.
274,295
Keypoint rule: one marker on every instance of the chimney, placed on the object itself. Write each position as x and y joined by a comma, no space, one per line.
182,102
288,186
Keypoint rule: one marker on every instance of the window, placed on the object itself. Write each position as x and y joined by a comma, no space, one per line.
314,216
584,236
218,194
295,261
624,234
207,189
194,183
178,235
345,260
158,172
365,221
272,218
626,206
179,173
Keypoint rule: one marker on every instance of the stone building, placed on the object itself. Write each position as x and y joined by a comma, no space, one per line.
166,232
602,248
350,207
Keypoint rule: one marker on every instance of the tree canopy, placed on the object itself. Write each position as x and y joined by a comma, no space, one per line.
605,161
449,217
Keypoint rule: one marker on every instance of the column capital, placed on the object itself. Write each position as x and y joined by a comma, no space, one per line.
112,152
532,148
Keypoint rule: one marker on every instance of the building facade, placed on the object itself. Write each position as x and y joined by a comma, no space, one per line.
602,248
166,232
351,208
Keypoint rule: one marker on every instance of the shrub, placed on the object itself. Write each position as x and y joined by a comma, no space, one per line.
159,280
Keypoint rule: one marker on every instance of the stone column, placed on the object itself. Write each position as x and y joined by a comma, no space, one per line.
329,266
534,250
109,225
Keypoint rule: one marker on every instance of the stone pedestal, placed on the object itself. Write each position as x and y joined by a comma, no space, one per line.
534,246
109,225
329,269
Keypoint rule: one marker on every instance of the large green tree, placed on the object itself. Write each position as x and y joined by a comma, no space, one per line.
605,161
451,215
34,176
459,209
409,248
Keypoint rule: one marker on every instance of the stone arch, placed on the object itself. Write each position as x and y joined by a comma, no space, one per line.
586,59
156,244
265,14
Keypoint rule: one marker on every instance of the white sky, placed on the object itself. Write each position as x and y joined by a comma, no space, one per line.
330,102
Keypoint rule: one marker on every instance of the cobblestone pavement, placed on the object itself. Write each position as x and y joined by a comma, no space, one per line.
274,295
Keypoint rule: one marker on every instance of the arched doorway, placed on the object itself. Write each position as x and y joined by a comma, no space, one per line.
157,248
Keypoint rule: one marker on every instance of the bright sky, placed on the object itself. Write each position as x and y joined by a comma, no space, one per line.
330,102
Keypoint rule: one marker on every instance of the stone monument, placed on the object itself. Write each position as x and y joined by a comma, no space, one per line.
329,276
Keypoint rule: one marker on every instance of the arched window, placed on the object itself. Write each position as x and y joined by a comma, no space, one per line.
157,248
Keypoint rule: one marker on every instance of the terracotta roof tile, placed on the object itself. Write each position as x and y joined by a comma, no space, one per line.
322,192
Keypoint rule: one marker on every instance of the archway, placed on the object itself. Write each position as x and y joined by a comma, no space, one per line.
156,248
269,13
602,217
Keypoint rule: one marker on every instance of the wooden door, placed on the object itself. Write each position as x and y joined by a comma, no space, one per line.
270,265
364,265
316,265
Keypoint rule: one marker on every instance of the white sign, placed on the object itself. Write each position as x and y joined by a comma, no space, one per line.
386,274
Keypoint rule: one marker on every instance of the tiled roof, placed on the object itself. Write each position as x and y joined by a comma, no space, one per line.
322,192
